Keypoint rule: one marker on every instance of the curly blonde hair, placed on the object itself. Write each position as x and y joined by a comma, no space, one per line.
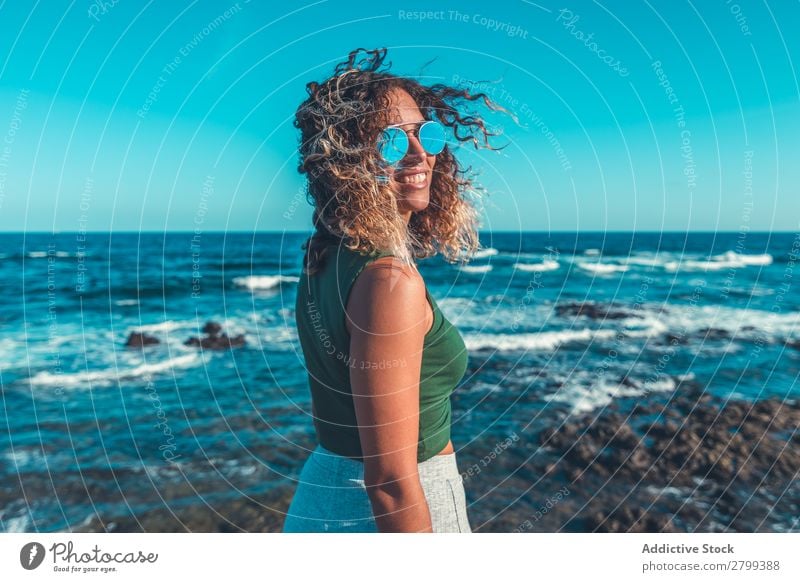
340,123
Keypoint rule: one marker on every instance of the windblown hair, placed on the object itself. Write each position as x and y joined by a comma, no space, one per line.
340,124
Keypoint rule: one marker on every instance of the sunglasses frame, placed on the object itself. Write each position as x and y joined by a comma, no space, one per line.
418,128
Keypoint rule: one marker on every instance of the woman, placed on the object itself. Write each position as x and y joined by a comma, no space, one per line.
382,360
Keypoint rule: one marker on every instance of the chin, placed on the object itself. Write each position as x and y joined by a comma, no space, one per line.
414,201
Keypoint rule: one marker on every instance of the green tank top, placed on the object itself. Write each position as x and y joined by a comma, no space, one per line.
320,316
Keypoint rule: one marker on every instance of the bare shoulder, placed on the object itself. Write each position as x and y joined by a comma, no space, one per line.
388,296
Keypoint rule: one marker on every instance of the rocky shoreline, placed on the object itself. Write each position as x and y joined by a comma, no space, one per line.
686,463
683,463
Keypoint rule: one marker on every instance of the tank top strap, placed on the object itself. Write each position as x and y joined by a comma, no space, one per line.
346,265
349,271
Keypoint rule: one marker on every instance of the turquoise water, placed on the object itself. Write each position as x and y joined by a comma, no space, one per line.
556,325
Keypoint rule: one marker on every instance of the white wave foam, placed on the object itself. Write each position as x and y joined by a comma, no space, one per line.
19,524
233,467
591,252
763,259
645,327
22,458
165,326
603,268
476,268
43,254
727,260
263,282
756,291
546,340
748,324
123,302
280,338
647,261
453,304
462,311
483,387
484,253
7,347
546,265
94,378
672,261
585,394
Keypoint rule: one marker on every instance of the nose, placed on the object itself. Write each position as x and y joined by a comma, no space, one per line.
416,154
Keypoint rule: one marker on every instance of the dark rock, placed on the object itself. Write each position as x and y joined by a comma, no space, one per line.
664,430
575,474
547,435
695,442
211,328
627,519
714,333
592,311
246,514
625,436
735,411
140,340
216,342
639,459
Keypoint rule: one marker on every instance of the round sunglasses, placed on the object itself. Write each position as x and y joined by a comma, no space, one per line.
393,142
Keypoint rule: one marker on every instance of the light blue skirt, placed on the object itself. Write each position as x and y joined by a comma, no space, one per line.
331,496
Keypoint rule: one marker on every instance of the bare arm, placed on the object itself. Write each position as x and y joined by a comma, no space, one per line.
387,321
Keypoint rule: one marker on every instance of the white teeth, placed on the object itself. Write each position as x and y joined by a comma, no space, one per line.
413,179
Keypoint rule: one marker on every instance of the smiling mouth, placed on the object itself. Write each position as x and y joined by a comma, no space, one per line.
418,178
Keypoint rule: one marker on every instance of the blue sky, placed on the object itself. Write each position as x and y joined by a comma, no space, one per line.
176,115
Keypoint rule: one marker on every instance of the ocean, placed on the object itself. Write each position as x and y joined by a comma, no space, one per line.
584,330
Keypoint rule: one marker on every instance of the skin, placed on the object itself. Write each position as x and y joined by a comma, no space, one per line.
410,197
388,316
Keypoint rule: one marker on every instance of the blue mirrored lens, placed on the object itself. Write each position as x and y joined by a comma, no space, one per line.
432,137
393,144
